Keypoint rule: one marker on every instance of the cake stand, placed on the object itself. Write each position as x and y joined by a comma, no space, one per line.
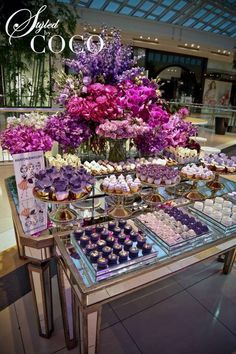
63,214
155,198
193,194
120,211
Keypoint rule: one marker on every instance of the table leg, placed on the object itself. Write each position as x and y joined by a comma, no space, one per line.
229,261
40,279
90,322
68,307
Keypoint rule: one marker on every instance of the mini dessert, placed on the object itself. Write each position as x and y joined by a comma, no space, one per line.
62,160
196,172
88,231
94,237
110,240
106,251
117,248
121,184
133,252
116,231
101,244
111,225
122,223
220,163
127,244
64,183
84,240
141,240
104,234
121,238
158,175
123,256
94,256
127,229
147,248
78,233
182,154
112,259
99,228
102,263
90,247
133,236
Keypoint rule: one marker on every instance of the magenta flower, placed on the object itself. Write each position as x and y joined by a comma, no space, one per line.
21,139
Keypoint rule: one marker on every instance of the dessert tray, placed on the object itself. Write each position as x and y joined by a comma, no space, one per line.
218,211
102,266
62,214
176,229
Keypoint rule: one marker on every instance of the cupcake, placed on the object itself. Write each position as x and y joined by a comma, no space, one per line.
102,263
123,256
84,240
133,252
112,259
106,251
141,240
122,223
90,247
117,248
78,233
94,237
128,244
127,229
121,238
111,225
104,234
116,231
110,240
88,231
147,248
99,228
101,244
61,189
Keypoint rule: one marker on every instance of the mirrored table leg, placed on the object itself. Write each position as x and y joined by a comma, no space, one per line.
68,307
90,322
229,261
40,279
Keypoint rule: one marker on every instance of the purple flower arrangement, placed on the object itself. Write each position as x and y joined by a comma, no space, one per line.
70,132
21,139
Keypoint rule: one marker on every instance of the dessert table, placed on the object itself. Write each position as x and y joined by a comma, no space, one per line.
82,295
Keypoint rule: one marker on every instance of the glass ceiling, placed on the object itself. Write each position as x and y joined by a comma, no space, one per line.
216,16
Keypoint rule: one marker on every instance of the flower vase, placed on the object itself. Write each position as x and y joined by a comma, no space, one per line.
117,151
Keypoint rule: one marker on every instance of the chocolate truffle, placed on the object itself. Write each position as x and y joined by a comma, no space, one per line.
127,244
110,240
117,248
99,228
116,231
102,262
94,255
90,247
101,244
127,229
84,240
121,238
112,259
133,252
133,236
140,241
88,231
146,248
104,234
122,223
106,251
123,256
94,237
111,225
78,233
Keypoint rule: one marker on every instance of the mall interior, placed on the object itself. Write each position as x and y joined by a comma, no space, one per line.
118,234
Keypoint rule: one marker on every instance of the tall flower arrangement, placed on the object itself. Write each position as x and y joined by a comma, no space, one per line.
109,97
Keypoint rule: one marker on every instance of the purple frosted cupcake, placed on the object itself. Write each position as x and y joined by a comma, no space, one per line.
61,189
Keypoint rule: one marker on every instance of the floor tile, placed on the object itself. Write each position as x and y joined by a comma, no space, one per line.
10,336
198,272
66,351
218,295
34,344
140,300
179,325
116,340
108,316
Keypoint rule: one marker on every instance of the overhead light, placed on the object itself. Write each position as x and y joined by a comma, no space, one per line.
219,52
224,51
192,45
198,46
156,39
185,44
149,38
229,53
94,30
140,37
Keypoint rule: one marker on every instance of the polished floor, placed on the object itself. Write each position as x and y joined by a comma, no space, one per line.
190,313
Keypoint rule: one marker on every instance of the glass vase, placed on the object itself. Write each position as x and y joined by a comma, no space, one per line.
117,150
